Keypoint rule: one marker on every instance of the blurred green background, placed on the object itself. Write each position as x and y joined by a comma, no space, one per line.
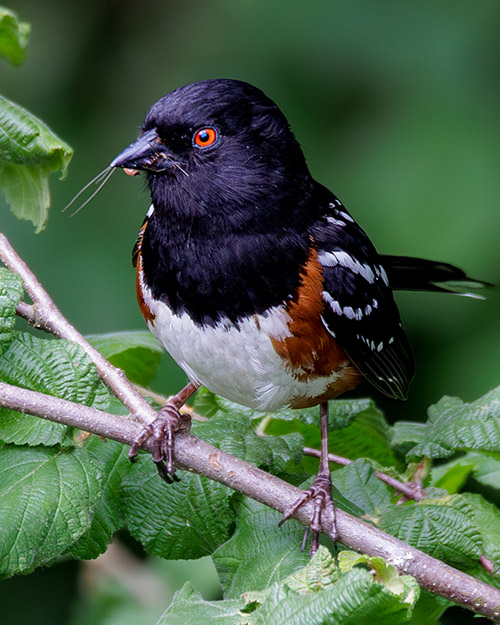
396,104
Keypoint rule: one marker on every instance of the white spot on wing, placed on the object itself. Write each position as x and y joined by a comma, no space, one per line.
346,311
332,259
333,303
335,222
350,313
345,215
380,272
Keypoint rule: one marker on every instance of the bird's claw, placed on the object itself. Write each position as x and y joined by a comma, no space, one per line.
162,431
320,493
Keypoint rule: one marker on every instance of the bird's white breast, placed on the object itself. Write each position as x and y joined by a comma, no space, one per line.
236,361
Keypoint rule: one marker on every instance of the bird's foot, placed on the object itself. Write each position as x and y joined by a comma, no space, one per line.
320,493
162,431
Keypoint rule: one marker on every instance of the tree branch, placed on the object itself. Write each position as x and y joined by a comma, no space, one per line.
199,457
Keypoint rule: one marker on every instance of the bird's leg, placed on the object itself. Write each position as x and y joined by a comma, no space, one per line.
320,491
162,430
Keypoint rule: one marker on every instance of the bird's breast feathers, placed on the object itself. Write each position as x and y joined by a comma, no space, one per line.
283,357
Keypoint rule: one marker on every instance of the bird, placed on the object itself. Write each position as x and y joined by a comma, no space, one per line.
255,277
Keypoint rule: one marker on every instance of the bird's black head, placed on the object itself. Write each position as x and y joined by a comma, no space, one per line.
221,150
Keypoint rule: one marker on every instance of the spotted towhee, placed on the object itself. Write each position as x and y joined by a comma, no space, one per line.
253,275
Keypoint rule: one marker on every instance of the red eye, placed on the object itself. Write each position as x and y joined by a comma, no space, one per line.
205,137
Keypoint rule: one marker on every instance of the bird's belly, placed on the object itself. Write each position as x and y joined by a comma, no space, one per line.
239,361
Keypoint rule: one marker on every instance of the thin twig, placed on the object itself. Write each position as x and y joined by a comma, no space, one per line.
486,563
195,455
409,490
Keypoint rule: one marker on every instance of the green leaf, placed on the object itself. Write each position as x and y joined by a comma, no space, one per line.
482,469
11,291
456,426
208,404
187,519
487,519
108,518
232,430
486,469
14,36
359,485
320,572
189,608
367,436
138,353
355,598
405,432
259,553
443,527
47,498
452,475
29,153
52,366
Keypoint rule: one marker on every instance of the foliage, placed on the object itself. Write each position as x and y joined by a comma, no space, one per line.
29,153
70,494
138,351
29,150
319,592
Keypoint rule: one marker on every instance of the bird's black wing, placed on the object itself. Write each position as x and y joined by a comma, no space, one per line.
360,311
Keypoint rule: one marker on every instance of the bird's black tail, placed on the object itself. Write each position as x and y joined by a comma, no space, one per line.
416,274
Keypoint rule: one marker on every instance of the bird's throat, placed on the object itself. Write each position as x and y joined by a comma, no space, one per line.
219,276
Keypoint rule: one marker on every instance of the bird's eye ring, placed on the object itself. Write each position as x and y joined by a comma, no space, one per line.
205,137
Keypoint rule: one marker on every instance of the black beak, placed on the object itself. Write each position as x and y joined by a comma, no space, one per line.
147,153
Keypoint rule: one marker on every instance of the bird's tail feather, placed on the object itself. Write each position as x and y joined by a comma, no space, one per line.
406,273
